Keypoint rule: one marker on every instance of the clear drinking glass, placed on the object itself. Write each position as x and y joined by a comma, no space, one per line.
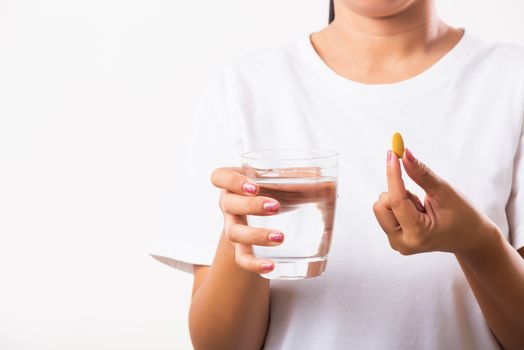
304,181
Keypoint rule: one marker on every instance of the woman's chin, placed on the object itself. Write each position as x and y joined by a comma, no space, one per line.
379,8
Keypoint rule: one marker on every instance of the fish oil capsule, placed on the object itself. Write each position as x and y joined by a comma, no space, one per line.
397,145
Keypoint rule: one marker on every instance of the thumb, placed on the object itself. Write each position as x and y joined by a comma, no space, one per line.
423,176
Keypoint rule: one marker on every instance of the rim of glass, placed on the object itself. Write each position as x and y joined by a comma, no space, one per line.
325,153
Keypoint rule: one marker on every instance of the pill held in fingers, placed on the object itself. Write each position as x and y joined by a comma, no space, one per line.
397,145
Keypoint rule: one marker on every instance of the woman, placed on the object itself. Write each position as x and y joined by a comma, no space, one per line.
380,66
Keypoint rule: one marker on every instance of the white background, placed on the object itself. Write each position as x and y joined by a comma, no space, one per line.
95,99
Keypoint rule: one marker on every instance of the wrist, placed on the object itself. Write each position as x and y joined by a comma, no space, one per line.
488,239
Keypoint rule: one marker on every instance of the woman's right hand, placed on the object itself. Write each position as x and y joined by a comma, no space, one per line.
238,198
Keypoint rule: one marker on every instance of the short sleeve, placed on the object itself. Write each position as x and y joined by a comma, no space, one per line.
515,205
215,142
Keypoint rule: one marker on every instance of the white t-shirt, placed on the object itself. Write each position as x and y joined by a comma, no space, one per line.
463,117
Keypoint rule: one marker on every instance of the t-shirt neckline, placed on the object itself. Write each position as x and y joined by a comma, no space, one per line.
408,88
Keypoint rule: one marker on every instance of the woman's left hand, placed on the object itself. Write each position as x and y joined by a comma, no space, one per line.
446,222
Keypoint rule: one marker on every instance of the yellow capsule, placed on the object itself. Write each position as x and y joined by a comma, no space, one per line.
398,145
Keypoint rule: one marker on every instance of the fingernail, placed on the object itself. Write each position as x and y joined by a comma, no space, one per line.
249,187
409,156
267,266
388,157
271,206
276,237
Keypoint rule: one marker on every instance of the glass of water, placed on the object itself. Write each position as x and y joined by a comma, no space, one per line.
304,181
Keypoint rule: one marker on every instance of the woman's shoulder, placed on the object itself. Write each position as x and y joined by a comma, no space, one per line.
263,64
500,51
251,75
497,61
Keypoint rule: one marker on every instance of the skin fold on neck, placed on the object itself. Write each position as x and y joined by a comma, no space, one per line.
385,49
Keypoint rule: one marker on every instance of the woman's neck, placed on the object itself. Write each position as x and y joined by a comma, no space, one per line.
385,49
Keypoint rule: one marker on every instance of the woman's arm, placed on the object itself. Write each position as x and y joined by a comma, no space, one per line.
230,305
495,273
448,222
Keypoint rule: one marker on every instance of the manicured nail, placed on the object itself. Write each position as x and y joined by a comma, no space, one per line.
276,237
266,266
249,187
409,156
388,158
271,206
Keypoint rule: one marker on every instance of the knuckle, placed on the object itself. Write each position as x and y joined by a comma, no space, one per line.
238,259
229,203
404,250
420,233
229,236
232,234
424,170
382,196
222,202
396,202
400,247
417,239
246,261
215,174
393,245
447,190
227,227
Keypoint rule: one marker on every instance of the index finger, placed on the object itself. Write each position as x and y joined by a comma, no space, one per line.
233,180
403,208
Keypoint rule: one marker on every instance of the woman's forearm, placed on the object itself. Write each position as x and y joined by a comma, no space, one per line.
495,273
230,308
